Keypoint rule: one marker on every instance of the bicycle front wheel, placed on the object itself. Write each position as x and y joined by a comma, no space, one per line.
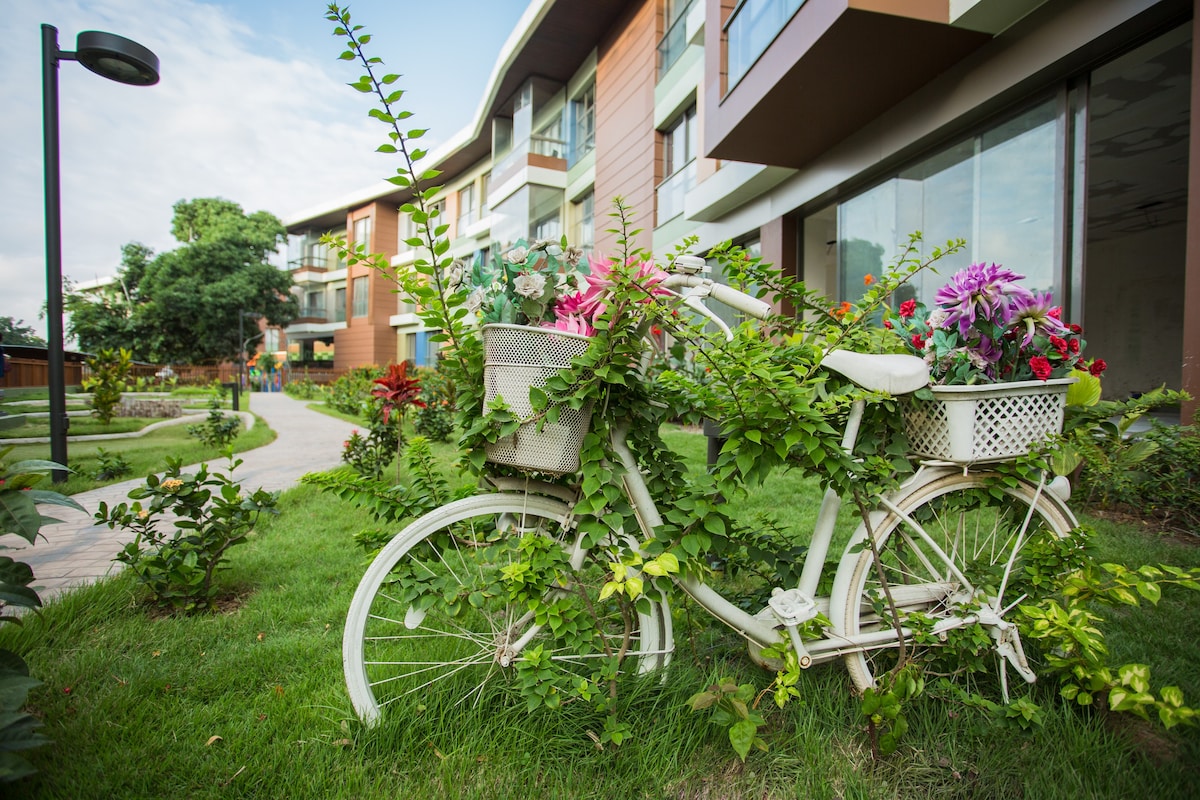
947,549
445,611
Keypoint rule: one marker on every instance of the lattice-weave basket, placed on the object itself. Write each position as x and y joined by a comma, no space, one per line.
969,424
517,357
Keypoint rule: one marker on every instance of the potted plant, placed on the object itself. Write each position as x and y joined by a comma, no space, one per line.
1000,359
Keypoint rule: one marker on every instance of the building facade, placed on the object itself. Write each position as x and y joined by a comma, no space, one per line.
1053,135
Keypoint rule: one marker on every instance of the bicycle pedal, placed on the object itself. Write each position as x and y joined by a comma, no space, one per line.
792,607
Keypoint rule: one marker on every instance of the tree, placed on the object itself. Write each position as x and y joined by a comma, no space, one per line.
183,305
15,331
106,319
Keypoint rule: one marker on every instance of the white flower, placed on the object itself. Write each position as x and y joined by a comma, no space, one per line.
454,276
529,284
574,255
475,300
517,255
938,317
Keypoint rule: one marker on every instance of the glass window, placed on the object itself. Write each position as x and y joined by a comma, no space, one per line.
1000,190
360,296
339,304
680,145
362,232
466,207
485,184
584,214
583,127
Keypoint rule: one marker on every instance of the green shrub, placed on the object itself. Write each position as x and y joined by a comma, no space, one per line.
19,515
303,389
111,465
218,429
109,369
184,531
436,420
351,393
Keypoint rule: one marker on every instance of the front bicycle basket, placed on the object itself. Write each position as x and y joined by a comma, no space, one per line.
516,358
971,424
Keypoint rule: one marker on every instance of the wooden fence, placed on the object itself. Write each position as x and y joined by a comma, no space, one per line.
28,372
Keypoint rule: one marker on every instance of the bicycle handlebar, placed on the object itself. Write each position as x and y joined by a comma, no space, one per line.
737,300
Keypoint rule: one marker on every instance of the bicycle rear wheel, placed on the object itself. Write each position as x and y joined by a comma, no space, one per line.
947,549
445,607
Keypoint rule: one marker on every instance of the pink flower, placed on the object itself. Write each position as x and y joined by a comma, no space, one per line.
600,282
571,323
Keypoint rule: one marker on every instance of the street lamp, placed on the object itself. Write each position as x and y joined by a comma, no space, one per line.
118,59
244,315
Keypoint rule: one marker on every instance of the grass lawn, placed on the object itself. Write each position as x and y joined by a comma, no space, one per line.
251,703
145,454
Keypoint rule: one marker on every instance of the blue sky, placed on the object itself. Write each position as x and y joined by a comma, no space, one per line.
252,106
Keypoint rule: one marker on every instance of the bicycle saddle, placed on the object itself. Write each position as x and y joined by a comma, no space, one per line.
894,374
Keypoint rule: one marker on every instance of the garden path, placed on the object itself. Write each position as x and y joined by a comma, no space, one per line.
75,551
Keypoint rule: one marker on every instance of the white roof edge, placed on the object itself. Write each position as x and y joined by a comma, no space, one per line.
533,14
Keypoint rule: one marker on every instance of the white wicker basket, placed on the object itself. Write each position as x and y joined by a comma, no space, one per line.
970,424
517,357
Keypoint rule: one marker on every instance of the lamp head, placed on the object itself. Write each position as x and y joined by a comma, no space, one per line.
117,58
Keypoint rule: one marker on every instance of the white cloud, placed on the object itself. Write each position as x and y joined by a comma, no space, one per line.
229,118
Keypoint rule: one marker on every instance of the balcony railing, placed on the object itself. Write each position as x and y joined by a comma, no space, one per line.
315,311
673,190
750,31
672,45
545,146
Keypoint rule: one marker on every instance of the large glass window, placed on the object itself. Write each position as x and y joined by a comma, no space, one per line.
360,296
1001,190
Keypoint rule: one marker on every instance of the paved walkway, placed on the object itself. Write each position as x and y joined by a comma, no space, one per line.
76,551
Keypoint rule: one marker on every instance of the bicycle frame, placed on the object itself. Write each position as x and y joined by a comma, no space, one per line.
765,630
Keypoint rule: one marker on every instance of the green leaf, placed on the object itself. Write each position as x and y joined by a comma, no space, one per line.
741,736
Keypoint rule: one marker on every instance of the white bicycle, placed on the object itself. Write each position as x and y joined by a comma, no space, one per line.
436,614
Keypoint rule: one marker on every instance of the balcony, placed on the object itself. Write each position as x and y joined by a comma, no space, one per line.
672,192
800,82
674,42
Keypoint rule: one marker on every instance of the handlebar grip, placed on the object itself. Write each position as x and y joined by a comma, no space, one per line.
740,301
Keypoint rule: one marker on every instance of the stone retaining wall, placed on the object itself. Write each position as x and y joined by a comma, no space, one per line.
158,407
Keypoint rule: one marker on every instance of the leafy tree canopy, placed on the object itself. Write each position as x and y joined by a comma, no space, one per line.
183,305
15,331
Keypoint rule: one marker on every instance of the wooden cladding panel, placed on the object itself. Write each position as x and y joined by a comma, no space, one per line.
625,136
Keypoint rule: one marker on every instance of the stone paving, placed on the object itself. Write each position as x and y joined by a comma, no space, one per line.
75,551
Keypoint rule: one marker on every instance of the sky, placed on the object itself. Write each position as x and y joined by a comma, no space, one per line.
252,106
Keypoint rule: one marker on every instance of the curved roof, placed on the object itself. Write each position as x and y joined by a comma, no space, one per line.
551,40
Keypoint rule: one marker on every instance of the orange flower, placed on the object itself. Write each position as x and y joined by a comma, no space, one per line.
868,279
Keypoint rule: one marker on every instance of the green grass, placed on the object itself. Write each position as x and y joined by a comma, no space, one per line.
145,454
133,701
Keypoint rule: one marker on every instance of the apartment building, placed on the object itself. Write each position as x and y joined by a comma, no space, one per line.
1054,135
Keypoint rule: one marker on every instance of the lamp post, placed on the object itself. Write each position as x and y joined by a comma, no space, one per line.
118,59
244,315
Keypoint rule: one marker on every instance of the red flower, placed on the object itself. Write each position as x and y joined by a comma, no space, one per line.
1055,313
397,390
887,323
1075,328
1040,366
1073,346
1097,366
918,341
1060,344
908,308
